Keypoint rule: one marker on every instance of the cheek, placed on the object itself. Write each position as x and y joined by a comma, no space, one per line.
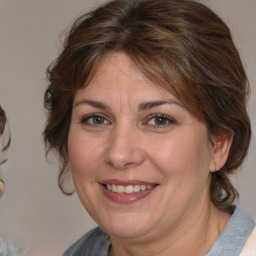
182,154
84,154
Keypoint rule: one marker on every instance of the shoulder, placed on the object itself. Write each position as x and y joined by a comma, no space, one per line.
95,242
250,245
234,236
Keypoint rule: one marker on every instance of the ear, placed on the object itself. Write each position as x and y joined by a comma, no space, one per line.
222,145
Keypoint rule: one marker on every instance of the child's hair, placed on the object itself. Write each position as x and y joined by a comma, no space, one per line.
5,137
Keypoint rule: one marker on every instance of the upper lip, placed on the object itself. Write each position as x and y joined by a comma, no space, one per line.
126,182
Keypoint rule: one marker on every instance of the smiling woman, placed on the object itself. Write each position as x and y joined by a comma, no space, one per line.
138,157
135,108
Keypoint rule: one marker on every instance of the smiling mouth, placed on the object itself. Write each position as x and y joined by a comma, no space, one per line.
128,189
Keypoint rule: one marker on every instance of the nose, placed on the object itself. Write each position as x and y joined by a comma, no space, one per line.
123,149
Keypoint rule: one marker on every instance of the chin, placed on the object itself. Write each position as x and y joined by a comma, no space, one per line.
128,226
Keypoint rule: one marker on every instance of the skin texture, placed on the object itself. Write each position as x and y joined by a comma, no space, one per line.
121,139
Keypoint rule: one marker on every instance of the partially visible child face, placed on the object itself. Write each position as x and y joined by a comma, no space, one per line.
1,187
2,146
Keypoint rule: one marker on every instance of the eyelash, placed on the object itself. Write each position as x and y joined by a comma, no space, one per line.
163,117
85,120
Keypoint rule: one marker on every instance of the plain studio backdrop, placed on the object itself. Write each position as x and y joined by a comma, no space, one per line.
33,211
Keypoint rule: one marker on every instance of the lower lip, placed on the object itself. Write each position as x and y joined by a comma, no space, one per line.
126,198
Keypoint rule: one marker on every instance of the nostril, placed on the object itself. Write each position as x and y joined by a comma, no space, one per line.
131,164
123,153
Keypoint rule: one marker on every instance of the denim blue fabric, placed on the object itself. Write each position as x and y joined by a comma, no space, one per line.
230,242
94,243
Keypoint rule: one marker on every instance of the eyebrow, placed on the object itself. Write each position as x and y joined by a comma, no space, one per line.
142,107
92,103
152,104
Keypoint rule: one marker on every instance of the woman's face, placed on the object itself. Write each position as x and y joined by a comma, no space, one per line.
140,161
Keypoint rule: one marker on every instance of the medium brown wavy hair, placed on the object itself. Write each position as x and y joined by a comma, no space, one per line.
5,138
179,44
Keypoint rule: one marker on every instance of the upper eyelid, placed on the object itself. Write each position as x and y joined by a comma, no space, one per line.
168,118
161,115
86,117
112,119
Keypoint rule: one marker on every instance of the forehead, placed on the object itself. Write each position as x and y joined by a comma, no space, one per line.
114,68
117,74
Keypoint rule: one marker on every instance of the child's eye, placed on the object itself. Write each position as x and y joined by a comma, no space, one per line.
94,119
160,120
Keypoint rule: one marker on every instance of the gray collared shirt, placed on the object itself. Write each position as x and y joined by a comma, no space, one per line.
230,242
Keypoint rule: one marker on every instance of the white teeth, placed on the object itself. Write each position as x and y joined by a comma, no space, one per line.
119,189
143,187
113,188
136,188
127,189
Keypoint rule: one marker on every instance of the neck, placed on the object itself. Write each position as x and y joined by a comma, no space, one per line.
194,236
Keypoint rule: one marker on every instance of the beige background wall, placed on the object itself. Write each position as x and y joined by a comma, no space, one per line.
33,211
